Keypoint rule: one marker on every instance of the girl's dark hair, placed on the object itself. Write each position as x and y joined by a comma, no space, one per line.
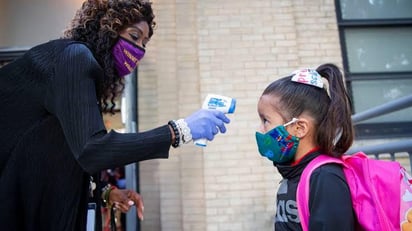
97,24
332,115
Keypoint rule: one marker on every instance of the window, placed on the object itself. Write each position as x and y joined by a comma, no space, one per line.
9,54
376,41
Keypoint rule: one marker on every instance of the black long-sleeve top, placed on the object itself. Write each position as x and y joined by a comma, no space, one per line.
53,138
330,204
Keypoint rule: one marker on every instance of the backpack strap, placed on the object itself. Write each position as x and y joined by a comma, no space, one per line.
302,192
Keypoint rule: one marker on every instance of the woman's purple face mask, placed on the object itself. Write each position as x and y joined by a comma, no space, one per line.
126,56
130,48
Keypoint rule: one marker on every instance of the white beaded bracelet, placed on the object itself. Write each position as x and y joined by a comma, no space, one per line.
185,133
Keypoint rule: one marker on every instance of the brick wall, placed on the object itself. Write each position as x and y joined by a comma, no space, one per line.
235,48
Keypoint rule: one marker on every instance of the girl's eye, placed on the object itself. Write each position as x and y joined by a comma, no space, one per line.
265,123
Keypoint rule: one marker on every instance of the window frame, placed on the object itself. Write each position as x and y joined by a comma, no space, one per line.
8,54
394,129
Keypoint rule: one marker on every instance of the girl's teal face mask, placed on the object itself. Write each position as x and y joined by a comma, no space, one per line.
277,144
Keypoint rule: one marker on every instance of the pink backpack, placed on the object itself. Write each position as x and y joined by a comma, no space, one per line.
381,192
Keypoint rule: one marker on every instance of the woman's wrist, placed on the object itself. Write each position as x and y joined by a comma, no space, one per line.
106,195
175,134
172,133
181,133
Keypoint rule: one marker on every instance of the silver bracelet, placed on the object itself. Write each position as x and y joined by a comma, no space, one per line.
185,133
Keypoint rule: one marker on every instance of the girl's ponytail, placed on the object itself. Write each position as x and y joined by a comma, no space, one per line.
335,131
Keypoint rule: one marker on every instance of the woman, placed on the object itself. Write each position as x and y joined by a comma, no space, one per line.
54,141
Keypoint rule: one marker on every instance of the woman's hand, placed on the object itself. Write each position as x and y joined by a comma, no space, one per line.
124,199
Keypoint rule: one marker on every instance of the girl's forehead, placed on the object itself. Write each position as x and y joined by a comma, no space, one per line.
269,100
269,104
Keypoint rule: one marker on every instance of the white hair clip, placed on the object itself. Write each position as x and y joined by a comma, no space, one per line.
311,77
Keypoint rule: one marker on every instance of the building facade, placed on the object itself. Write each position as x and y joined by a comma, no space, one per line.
233,48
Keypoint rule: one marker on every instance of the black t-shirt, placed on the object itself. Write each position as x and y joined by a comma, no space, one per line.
330,204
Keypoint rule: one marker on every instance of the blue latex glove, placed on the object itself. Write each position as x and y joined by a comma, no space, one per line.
205,123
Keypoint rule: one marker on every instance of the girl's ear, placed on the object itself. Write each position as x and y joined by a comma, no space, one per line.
302,128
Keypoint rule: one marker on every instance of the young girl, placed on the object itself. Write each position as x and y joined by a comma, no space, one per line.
302,116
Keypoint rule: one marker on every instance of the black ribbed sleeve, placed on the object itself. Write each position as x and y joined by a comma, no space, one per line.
71,97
